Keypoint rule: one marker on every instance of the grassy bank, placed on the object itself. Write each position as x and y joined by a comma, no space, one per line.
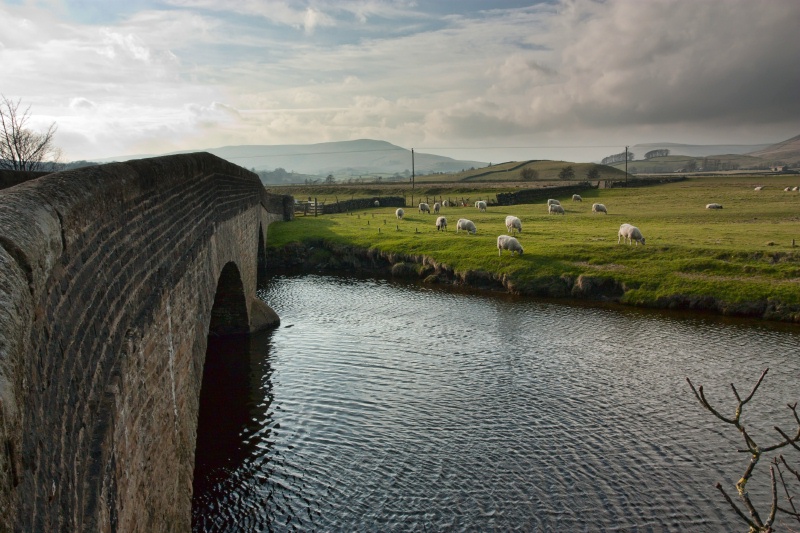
694,257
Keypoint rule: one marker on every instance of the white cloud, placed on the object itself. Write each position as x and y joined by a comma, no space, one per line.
314,18
304,98
129,44
575,72
82,104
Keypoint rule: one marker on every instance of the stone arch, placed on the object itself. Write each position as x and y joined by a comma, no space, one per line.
229,313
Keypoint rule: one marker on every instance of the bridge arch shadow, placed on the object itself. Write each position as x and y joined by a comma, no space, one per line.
226,404
229,313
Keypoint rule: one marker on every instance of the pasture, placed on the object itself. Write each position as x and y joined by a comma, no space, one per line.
743,252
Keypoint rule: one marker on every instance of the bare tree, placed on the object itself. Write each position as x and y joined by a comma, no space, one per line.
566,173
20,147
750,514
529,174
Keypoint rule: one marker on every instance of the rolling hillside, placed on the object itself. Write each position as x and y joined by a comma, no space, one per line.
342,159
787,152
683,158
697,150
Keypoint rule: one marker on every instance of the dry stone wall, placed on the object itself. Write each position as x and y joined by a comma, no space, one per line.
108,278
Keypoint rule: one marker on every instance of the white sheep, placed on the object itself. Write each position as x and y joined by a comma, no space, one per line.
399,213
512,223
795,188
787,189
480,204
713,206
555,209
441,224
466,225
505,242
577,198
599,208
424,208
446,203
630,234
437,207
377,203
760,187
551,201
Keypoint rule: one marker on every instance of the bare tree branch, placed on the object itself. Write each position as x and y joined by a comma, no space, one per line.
774,507
755,451
777,461
735,507
20,147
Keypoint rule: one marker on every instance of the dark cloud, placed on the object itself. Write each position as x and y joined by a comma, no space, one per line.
666,62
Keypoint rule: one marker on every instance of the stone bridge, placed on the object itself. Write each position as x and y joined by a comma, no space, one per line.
111,279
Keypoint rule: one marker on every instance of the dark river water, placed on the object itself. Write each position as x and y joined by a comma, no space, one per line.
386,407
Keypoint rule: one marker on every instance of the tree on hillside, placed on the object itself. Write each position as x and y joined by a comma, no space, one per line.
593,174
663,152
566,173
20,147
528,174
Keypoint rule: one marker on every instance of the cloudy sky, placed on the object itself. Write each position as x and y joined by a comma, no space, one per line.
486,80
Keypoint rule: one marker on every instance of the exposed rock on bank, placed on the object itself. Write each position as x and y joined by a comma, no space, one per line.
316,256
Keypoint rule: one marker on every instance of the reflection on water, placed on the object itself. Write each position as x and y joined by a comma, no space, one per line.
385,407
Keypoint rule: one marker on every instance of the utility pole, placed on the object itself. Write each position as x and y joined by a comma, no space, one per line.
412,169
626,166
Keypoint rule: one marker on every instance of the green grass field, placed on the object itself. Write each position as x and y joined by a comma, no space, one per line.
741,253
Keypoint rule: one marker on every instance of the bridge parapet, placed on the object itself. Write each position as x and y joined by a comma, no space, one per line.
108,281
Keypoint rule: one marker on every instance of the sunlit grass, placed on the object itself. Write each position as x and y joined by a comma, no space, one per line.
740,253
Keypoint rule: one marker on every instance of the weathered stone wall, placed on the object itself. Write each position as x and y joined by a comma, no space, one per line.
642,181
108,277
532,196
363,203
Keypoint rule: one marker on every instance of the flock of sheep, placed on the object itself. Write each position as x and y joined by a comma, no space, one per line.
628,232
785,189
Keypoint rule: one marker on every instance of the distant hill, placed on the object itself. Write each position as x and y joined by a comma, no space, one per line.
697,150
787,152
690,158
341,159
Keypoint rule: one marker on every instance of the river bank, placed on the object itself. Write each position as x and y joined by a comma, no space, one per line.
741,260
319,255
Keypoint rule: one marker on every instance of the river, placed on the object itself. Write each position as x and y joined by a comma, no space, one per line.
378,406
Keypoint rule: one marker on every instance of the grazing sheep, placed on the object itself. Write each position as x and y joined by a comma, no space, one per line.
787,189
480,204
441,224
504,242
424,208
713,206
446,203
577,198
795,188
555,210
512,223
466,225
599,208
399,213
437,207
377,203
760,187
552,202
630,234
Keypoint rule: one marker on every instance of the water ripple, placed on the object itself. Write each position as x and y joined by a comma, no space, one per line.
394,408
